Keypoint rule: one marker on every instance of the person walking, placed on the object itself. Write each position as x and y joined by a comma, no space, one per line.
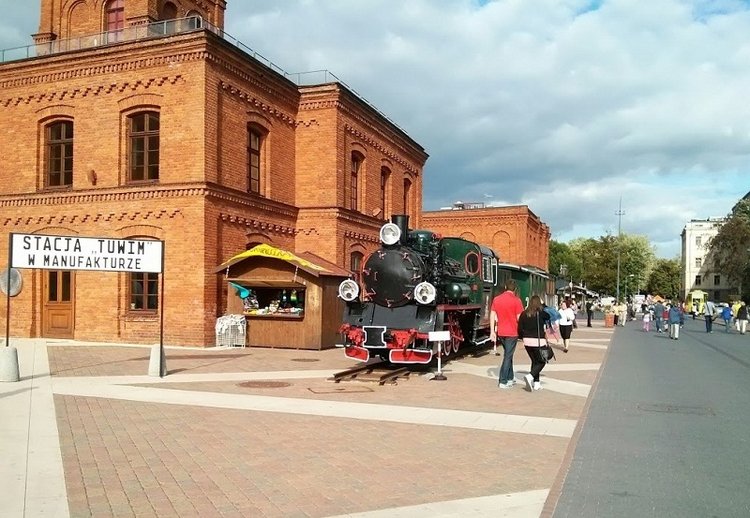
742,318
646,320
506,309
531,325
726,315
567,317
735,310
623,307
708,312
589,312
675,318
658,315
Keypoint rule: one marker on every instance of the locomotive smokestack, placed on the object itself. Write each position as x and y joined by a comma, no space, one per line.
402,222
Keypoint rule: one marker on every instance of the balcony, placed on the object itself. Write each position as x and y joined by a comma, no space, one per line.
129,34
166,28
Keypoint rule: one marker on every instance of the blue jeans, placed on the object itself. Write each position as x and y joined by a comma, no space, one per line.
657,322
506,368
709,324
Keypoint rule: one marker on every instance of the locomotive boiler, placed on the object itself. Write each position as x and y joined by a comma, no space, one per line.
417,282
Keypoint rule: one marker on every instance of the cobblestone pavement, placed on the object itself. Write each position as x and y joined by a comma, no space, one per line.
200,443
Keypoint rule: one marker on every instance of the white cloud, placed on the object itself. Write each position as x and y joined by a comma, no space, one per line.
565,105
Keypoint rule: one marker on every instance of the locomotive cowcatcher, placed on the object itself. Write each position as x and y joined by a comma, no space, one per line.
417,282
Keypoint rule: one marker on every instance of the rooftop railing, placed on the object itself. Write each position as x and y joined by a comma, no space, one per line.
164,29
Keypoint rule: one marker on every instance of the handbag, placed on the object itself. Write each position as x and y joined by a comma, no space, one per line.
545,351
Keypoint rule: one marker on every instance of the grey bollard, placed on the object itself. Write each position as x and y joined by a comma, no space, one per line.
153,363
9,364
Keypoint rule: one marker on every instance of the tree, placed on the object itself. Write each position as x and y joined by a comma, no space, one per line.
561,253
665,278
729,250
598,259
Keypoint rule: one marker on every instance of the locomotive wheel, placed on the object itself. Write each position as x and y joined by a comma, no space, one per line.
447,347
456,334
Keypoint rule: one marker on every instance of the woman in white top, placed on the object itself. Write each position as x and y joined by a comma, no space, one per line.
567,316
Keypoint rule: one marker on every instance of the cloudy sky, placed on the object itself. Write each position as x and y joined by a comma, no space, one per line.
566,106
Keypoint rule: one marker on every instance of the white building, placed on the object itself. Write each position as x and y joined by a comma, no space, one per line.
698,272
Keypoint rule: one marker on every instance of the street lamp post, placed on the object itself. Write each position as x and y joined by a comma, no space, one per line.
630,284
563,273
619,214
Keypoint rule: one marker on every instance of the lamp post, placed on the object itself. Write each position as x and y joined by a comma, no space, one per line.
563,273
630,284
619,214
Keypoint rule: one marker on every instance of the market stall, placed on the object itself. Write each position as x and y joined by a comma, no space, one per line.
289,300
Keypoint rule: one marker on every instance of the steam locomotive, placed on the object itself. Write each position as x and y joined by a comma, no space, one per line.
415,283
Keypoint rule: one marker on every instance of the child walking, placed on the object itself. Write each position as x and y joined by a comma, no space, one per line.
647,321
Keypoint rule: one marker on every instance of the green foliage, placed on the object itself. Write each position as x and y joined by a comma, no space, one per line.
594,262
562,254
665,279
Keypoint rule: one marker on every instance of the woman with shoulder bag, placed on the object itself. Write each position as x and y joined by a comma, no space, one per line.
531,325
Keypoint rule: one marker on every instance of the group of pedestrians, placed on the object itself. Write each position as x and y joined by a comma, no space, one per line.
737,314
671,317
509,321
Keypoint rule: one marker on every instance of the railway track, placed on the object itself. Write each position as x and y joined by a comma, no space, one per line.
380,373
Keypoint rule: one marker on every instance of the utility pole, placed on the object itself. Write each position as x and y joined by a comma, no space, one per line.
619,214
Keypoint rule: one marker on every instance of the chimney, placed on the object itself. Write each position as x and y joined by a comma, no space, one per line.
402,222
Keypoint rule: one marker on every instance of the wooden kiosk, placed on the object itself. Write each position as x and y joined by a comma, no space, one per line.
289,300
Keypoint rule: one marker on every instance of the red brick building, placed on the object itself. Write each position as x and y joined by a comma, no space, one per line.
143,120
516,233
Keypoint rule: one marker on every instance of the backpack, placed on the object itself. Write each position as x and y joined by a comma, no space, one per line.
554,315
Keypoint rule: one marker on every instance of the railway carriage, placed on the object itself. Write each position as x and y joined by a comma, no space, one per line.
530,281
417,282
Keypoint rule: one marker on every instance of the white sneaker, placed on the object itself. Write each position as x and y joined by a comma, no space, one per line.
529,379
537,385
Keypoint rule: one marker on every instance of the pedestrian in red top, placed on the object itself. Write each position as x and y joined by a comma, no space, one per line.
506,308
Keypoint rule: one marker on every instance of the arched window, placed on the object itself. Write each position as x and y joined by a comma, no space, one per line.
168,11
114,18
355,264
356,166
195,19
59,154
407,196
385,174
143,139
255,140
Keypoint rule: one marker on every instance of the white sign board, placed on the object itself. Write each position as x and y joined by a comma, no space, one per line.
86,253
439,336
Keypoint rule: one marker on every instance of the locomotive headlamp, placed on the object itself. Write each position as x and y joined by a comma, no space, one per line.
424,293
390,234
348,290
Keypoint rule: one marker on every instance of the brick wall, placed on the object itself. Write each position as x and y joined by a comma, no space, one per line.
206,93
515,232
